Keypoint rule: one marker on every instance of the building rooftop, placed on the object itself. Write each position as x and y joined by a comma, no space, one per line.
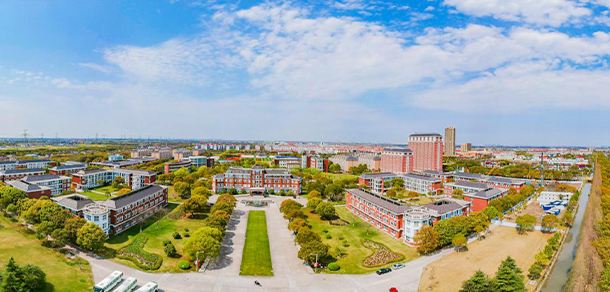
425,135
16,171
383,202
90,171
24,186
503,180
69,166
486,194
421,177
446,205
401,150
45,177
466,175
73,201
132,197
470,184
377,175
33,160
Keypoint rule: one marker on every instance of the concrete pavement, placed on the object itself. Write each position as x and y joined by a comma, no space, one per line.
289,272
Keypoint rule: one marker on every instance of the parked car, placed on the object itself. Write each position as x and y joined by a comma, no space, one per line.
383,271
398,266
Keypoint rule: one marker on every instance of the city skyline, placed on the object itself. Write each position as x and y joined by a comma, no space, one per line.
343,71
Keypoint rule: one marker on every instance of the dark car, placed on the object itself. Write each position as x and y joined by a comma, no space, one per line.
383,271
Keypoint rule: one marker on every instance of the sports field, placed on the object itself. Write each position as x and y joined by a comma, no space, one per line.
448,273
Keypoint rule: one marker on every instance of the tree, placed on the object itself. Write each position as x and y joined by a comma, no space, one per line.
457,193
91,236
334,192
550,222
222,206
479,282
334,168
290,204
209,231
525,223
9,195
201,191
294,214
391,193
123,191
227,198
195,204
509,277
12,277
479,230
459,241
426,239
182,189
34,278
326,210
542,259
305,235
398,183
101,182
181,173
604,282
534,271
313,203
201,246
170,250
296,224
314,194
61,236
117,182
310,249
72,226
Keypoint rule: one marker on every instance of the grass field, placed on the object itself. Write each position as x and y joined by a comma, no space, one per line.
173,196
420,201
62,274
95,196
157,232
105,189
338,176
354,234
256,258
448,273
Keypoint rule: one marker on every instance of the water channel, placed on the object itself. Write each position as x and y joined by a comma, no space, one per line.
563,266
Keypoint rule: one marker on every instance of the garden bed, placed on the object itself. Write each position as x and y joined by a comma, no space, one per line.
382,255
135,253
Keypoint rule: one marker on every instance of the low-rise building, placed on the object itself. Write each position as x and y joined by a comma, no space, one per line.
287,162
422,184
376,182
33,191
125,163
115,157
315,161
162,154
56,183
505,183
180,154
480,200
199,161
117,214
445,177
399,220
138,153
257,180
546,197
465,186
135,178
67,169
26,164
169,167
17,174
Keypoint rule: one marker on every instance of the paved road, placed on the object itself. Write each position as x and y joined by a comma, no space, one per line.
290,273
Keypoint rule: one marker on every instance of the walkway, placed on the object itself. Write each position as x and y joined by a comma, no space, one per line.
290,273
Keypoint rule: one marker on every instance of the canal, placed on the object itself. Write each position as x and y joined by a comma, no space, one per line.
559,275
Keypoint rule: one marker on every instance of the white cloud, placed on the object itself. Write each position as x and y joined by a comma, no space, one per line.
541,12
97,67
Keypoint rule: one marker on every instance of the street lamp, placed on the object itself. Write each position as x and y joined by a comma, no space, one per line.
316,265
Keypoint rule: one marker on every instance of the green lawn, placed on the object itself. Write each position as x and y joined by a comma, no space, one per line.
256,258
354,234
157,231
95,196
62,274
173,196
338,176
105,189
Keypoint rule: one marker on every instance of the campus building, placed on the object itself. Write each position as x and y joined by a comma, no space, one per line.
56,183
140,153
124,163
422,184
162,154
67,168
135,178
257,180
315,162
33,191
180,154
117,214
445,177
26,164
17,174
376,181
169,167
372,161
427,151
466,147
287,162
191,161
397,160
465,186
399,220
480,200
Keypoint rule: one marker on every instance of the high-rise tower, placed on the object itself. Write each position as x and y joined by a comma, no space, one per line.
450,141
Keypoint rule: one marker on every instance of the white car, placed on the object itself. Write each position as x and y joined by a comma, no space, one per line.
398,266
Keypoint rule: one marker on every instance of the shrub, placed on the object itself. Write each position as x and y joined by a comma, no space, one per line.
186,234
166,242
328,236
170,250
186,229
325,230
176,235
184,265
136,254
333,266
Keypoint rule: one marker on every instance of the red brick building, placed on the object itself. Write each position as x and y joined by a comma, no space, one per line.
315,162
33,191
257,180
17,174
480,200
427,151
397,160
67,169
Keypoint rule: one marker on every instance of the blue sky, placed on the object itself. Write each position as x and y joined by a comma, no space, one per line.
520,72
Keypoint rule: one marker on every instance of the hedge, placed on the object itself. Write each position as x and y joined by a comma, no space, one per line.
141,258
184,265
333,266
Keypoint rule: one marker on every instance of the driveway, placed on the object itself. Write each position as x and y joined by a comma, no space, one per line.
290,273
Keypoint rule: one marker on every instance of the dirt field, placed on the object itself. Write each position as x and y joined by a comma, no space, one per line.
448,273
533,209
